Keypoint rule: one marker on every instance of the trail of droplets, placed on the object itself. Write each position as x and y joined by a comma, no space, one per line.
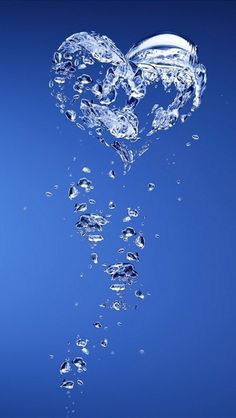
123,275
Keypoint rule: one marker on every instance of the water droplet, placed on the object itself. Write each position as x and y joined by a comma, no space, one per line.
126,219
80,126
92,201
81,343
151,187
48,194
80,364
140,241
133,213
104,343
122,271
73,192
111,205
65,367
86,170
94,257
85,350
85,79
139,294
127,233
59,80
85,184
132,256
98,325
80,207
117,287
89,223
112,174
95,238
67,384
71,115
80,382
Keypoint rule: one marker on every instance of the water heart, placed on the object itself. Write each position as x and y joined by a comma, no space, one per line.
95,104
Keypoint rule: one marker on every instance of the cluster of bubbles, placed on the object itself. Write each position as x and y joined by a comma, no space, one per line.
93,101
122,274
90,75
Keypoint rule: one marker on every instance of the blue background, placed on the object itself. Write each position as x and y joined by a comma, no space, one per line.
187,326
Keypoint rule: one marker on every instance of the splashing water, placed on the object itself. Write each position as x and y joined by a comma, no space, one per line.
89,74
92,103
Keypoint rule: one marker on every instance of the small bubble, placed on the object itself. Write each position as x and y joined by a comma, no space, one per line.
111,205
94,257
86,170
132,256
139,294
178,181
104,343
151,187
141,351
95,238
179,199
71,115
80,207
188,144
85,184
92,201
97,325
85,351
81,343
126,219
117,287
73,192
157,236
51,356
133,213
48,194
67,384
195,137
65,367
112,174
140,242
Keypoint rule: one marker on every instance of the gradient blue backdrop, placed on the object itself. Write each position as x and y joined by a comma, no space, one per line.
187,325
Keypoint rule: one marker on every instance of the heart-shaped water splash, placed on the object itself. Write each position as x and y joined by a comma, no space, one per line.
90,76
